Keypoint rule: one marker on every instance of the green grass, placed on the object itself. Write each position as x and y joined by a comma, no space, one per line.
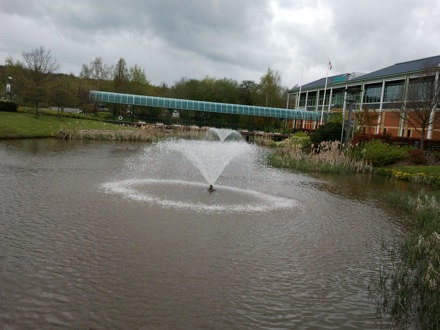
428,170
25,125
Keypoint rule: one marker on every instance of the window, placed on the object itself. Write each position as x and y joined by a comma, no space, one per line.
421,89
393,91
372,93
302,100
312,99
338,99
321,96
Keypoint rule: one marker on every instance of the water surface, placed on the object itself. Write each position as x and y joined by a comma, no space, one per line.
76,254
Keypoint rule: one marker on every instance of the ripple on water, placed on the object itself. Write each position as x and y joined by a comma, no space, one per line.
194,196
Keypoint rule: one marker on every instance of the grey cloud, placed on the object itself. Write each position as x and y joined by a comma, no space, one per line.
238,39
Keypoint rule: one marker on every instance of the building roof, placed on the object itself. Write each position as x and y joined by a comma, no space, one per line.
393,70
403,67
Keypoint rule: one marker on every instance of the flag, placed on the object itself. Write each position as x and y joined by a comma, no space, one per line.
329,64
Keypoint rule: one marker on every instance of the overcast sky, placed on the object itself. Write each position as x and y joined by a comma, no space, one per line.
236,39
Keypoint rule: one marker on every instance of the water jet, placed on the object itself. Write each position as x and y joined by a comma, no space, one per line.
169,174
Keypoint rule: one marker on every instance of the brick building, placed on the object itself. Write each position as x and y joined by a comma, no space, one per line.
382,96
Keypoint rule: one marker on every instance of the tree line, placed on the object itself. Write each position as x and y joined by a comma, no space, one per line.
37,82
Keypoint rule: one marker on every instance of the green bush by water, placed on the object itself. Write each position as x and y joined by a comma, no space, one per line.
379,154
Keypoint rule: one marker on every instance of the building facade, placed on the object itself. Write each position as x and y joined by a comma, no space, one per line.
381,101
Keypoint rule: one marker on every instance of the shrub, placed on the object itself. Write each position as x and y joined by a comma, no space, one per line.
8,106
417,156
378,153
362,137
328,132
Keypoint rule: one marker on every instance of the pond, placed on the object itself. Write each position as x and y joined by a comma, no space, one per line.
105,235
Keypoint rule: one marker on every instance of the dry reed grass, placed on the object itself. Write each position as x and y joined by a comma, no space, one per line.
325,157
146,133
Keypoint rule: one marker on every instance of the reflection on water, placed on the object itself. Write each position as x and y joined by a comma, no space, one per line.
75,256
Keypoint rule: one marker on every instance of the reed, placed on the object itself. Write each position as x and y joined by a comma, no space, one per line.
325,158
147,134
409,290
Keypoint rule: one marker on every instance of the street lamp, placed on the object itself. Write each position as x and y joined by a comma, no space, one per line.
347,122
8,88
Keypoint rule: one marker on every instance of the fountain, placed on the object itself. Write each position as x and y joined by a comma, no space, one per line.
162,166
215,134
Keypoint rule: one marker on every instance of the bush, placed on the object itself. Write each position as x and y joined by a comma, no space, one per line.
378,153
362,137
8,106
328,132
417,156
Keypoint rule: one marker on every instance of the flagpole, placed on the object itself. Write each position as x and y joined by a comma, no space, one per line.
300,86
325,91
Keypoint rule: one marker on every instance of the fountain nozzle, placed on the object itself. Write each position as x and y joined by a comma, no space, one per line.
211,188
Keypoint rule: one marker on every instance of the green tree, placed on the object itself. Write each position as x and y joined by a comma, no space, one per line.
186,89
270,94
138,82
248,90
38,75
270,89
63,95
120,76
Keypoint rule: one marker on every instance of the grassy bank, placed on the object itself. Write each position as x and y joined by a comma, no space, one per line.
15,125
26,125
429,175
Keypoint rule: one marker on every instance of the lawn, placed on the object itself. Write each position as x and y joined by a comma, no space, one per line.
26,125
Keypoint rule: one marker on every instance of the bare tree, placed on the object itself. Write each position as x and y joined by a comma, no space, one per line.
421,101
38,75
97,70
366,118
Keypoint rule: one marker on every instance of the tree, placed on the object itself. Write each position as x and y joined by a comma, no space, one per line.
138,82
270,94
366,118
421,101
248,91
63,95
38,75
120,76
97,70
270,89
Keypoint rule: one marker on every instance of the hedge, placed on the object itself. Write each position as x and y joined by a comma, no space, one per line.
8,106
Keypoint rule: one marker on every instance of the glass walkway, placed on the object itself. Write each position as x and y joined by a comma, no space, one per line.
180,104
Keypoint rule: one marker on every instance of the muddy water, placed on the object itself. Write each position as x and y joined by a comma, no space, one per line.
83,247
